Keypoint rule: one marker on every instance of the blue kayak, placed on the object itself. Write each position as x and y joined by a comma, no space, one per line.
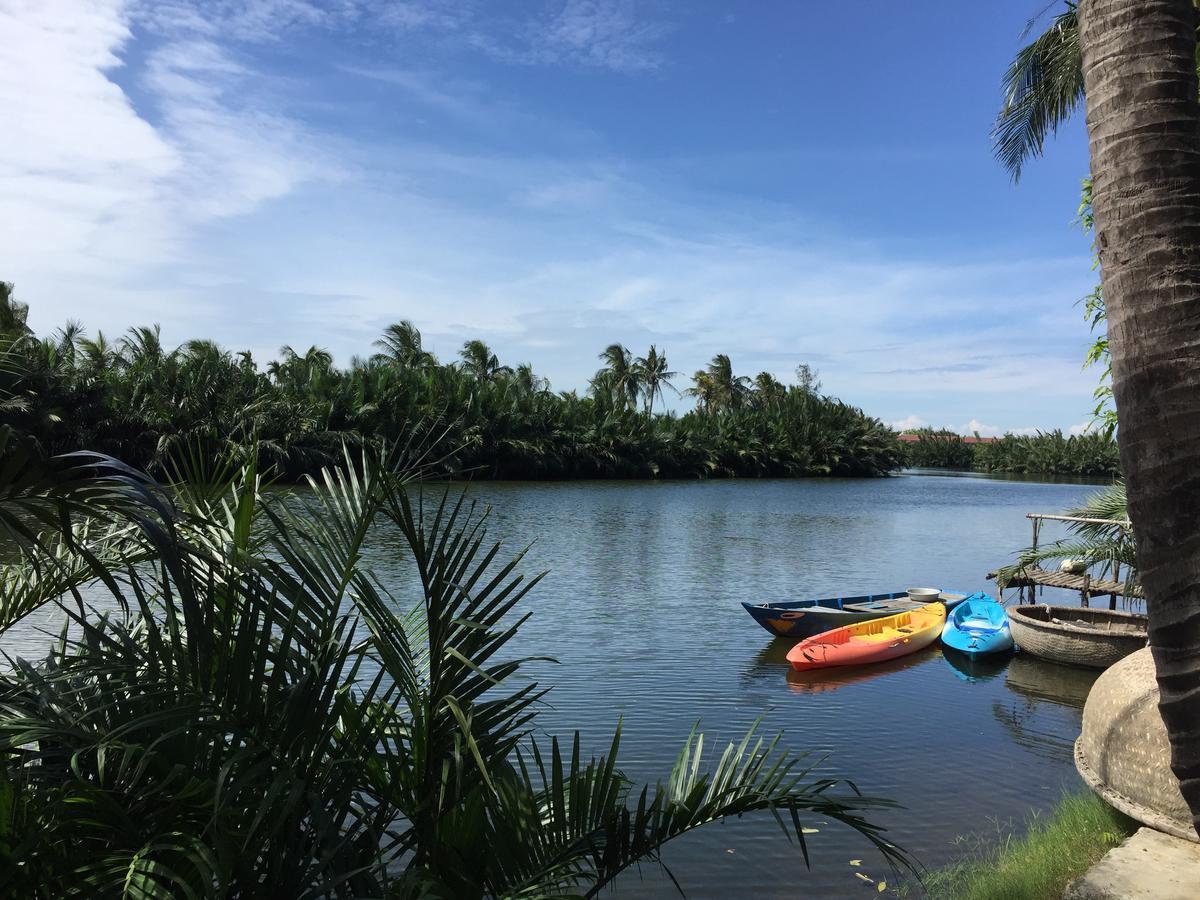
977,626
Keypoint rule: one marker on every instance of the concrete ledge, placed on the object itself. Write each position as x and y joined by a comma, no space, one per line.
1149,865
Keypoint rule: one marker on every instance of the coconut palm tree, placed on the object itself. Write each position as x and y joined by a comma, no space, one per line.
1144,141
528,382
728,390
619,379
265,717
767,389
401,343
703,390
1043,88
480,362
652,373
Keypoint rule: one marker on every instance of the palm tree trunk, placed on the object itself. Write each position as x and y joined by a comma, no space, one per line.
1143,124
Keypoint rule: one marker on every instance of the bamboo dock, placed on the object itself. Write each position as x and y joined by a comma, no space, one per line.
1030,578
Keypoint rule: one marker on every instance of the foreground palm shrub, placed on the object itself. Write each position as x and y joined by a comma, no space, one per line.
243,709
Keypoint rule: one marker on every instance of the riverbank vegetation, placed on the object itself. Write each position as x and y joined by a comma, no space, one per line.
1047,453
141,401
1040,864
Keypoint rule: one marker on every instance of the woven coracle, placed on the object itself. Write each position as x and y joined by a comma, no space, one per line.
1123,753
1095,638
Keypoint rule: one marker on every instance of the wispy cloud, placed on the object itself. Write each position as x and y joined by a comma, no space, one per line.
242,20
616,35
608,34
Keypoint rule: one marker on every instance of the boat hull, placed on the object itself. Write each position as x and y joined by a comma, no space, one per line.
870,642
804,618
1095,638
978,627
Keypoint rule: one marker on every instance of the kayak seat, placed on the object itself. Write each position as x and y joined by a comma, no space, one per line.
981,625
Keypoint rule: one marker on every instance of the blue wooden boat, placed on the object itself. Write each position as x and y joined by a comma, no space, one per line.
977,626
804,618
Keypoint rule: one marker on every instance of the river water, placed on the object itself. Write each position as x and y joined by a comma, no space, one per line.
641,609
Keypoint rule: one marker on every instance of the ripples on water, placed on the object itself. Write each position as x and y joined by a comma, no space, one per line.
642,611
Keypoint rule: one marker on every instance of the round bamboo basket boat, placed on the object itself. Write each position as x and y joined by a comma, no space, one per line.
1095,638
1123,753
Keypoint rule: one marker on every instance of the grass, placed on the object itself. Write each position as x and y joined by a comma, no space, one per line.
1054,850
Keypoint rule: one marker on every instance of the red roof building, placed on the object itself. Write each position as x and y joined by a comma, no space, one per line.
910,438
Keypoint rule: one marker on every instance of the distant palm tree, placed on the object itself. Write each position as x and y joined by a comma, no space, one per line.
13,315
618,378
528,383
67,338
652,374
479,361
768,389
704,392
99,355
142,345
401,343
717,386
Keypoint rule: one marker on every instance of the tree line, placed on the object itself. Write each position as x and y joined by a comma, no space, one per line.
146,403
1092,453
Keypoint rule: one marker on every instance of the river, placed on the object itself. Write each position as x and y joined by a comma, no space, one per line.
641,609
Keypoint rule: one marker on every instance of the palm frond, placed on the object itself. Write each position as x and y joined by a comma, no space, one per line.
1042,89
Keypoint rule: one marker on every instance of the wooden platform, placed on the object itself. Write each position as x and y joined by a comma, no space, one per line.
1033,576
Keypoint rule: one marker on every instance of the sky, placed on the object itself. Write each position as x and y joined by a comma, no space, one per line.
785,182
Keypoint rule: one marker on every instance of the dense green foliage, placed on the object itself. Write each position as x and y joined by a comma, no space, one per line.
1050,452
139,401
247,711
1040,864
937,449
1046,453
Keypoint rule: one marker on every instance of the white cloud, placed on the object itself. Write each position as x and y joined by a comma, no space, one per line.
1081,428
909,423
91,189
81,174
977,427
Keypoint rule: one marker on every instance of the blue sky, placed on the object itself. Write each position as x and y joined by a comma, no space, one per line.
785,182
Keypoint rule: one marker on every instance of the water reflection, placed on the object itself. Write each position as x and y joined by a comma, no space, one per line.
1038,680
1042,696
976,668
818,681
771,664
772,657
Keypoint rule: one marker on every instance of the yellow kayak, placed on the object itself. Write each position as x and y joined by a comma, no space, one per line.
873,641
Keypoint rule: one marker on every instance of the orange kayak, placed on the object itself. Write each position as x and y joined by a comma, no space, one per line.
871,642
